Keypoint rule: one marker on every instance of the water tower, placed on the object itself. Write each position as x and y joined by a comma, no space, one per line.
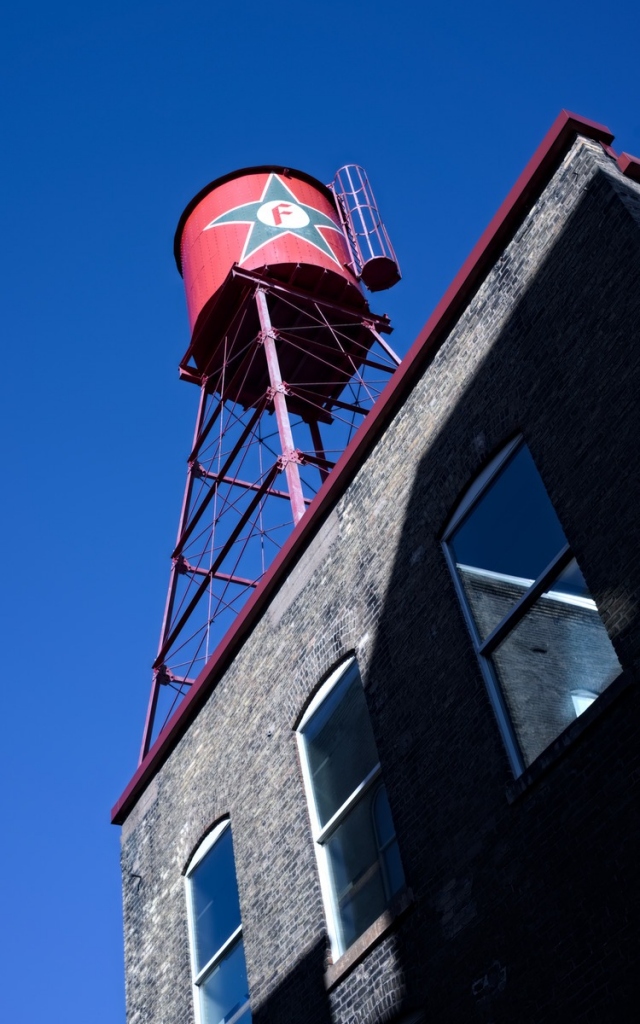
288,358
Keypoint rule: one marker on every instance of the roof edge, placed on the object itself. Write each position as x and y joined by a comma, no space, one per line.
513,210
630,166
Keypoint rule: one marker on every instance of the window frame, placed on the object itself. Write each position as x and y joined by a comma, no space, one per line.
484,649
200,976
321,834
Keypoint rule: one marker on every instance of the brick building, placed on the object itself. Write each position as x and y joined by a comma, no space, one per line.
428,799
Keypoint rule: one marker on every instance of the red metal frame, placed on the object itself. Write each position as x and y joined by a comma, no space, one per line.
508,218
234,517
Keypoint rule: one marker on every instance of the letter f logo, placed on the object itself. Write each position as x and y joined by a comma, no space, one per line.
279,211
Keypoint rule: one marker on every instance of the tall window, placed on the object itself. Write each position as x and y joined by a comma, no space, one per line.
544,651
217,953
358,856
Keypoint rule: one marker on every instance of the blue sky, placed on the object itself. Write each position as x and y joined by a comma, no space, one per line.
113,116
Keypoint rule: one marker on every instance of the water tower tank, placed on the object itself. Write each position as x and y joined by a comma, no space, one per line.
279,224
263,218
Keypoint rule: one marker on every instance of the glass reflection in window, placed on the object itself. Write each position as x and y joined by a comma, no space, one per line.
358,855
534,623
217,951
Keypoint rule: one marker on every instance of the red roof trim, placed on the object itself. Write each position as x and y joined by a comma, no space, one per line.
493,241
630,166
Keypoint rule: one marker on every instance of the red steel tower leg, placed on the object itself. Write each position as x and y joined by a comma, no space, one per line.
171,594
290,455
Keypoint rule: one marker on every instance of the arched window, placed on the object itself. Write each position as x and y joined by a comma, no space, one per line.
358,855
215,930
534,624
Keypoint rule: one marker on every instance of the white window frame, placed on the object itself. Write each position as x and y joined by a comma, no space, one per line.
198,976
322,833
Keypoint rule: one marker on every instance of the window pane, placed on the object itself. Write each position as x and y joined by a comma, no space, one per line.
224,994
356,869
560,646
572,582
490,596
340,746
508,539
382,820
582,699
214,894
393,874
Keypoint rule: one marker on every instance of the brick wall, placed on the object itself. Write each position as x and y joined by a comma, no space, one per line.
523,898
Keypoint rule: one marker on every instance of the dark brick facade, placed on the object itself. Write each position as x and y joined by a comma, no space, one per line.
524,894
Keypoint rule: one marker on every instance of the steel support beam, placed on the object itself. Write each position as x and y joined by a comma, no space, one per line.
151,714
287,291
321,455
236,482
278,391
184,515
188,530
383,344
197,570
235,533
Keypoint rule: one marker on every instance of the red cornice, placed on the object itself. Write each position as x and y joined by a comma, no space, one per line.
629,165
474,270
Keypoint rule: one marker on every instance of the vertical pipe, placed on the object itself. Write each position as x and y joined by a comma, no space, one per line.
280,405
151,714
316,439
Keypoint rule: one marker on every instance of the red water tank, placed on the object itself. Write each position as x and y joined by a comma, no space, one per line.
271,219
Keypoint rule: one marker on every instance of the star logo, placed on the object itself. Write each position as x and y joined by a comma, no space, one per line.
278,212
